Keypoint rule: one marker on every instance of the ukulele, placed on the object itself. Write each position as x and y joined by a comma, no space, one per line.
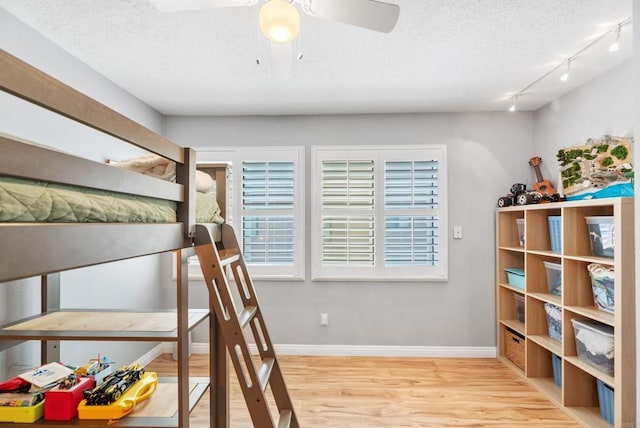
543,186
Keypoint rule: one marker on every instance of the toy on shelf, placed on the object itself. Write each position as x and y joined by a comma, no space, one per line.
139,391
98,369
545,187
543,190
601,168
520,195
15,385
114,385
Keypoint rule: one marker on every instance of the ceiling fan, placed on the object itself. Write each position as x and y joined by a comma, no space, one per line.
280,21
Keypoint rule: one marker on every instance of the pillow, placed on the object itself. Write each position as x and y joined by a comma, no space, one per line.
153,165
159,167
204,182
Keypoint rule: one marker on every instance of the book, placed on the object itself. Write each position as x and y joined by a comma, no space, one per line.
48,374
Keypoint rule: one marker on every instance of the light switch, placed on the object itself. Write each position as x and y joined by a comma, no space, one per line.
457,232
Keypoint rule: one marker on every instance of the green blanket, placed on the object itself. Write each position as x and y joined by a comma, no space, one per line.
33,201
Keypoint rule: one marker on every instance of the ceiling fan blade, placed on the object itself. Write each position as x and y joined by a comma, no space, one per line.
184,5
370,14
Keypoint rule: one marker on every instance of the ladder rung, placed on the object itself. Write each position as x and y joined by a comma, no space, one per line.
246,315
264,372
285,419
228,257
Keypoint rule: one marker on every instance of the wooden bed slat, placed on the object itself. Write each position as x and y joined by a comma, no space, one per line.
24,81
35,162
74,245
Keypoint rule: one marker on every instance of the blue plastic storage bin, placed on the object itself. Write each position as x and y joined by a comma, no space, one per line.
605,398
555,232
515,277
556,362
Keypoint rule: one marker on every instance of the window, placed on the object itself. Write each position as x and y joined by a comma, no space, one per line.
379,213
266,207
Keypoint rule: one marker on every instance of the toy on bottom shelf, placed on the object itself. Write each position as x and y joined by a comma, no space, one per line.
61,402
120,393
114,385
98,369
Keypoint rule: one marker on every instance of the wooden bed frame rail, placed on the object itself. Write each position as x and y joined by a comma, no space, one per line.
77,244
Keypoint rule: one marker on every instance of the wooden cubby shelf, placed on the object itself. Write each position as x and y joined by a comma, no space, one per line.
523,240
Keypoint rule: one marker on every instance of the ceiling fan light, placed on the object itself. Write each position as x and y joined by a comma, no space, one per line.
279,21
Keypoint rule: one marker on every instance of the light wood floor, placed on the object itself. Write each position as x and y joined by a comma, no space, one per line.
394,392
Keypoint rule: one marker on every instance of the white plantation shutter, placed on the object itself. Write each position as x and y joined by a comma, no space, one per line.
380,213
348,188
411,187
411,184
411,241
268,239
348,240
265,203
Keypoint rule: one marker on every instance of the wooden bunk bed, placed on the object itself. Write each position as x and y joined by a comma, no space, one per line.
44,249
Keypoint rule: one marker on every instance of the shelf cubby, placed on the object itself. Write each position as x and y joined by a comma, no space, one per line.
540,370
508,259
536,276
537,227
508,307
508,236
581,395
576,231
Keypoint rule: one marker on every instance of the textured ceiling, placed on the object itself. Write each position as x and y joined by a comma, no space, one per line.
443,56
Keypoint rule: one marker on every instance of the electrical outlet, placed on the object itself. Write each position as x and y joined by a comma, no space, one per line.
457,232
324,320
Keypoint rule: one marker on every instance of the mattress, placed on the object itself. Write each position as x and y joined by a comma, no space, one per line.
24,200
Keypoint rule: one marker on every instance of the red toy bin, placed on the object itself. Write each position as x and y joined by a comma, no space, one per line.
62,404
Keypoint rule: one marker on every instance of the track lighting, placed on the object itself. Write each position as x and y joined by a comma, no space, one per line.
615,45
565,76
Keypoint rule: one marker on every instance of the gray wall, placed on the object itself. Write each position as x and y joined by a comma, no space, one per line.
100,286
486,153
609,104
603,106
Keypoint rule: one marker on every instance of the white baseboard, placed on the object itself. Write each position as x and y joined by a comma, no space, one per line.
367,350
162,348
388,351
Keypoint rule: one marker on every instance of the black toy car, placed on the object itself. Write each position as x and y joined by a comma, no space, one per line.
114,386
512,198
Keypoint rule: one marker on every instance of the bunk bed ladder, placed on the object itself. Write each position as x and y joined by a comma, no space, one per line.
253,382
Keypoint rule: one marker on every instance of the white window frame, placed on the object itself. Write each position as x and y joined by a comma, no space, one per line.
235,156
379,272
